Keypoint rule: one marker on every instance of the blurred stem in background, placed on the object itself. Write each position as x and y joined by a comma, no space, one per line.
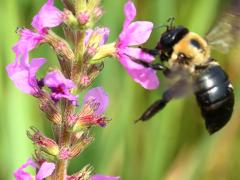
173,145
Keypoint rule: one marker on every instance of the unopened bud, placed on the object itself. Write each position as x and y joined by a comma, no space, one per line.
97,13
46,144
83,18
63,51
69,19
73,151
50,109
84,174
90,75
79,147
85,80
61,47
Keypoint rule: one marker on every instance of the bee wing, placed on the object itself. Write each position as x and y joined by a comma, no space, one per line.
224,34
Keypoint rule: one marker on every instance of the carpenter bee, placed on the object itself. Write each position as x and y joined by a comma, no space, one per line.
188,56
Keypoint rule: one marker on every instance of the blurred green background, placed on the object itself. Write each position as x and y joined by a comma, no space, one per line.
174,145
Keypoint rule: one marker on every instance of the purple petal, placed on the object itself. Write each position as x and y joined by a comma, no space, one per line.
66,95
48,16
20,174
138,53
99,96
45,170
28,41
24,75
136,33
130,13
104,32
60,86
102,177
35,64
55,78
144,76
87,36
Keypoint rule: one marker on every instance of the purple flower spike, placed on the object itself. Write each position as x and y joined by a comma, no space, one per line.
48,17
136,33
45,170
99,96
102,177
23,74
60,86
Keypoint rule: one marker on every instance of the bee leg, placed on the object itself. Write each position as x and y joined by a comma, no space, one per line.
175,91
153,52
157,66
153,109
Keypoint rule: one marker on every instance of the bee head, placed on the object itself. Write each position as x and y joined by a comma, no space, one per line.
170,37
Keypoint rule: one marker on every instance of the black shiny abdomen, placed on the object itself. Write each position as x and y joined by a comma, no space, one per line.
214,94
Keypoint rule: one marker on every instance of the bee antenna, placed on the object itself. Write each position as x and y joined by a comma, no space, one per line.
171,21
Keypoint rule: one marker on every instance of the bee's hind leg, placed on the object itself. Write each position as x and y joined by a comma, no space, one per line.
176,90
153,109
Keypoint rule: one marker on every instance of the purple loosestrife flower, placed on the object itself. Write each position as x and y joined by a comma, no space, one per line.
103,177
100,97
94,104
60,86
23,74
135,33
48,17
44,171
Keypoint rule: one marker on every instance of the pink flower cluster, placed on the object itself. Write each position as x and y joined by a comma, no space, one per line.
23,72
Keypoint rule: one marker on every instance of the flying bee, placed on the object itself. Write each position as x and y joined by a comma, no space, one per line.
190,64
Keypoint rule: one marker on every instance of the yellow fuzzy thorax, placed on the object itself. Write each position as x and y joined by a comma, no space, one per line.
196,56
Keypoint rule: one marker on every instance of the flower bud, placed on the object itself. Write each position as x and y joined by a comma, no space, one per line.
83,18
46,144
63,51
90,74
69,19
83,174
97,13
73,151
49,108
88,12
